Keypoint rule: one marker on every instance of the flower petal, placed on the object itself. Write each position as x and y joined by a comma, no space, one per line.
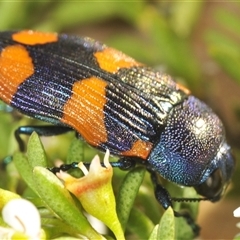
6,233
236,212
94,191
22,216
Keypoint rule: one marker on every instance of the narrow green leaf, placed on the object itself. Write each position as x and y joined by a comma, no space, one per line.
154,233
59,228
225,51
230,63
219,40
130,45
6,132
128,192
69,14
140,224
229,20
190,10
190,192
130,11
66,238
166,228
7,19
35,151
183,230
173,51
25,169
75,152
237,237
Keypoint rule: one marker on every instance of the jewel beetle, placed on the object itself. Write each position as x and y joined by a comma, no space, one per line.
114,102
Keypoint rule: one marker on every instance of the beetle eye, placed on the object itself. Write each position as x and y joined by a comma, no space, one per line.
212,188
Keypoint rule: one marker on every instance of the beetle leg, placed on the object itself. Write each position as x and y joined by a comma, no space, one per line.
161,194
164,198
123,164
185,214
47,130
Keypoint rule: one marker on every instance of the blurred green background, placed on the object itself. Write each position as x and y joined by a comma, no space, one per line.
196,42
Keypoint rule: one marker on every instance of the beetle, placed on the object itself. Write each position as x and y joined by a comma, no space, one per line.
114,102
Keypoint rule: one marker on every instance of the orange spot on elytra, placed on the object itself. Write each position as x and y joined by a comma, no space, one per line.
84,110
112,60
139,149
30,37
15,66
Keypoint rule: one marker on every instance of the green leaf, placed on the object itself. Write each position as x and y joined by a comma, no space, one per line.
6,132
229,20
237,237
130,45
7,19
25,169
191,207
166,229
75,152
184,16
154,233
140,224
36,157
225,51
172,50
230,63
130,11
223,42
219,40
35,151
127,194
59,228
67,14
183,230
66,238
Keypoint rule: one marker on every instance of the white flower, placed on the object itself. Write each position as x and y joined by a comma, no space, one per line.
236,212
23,217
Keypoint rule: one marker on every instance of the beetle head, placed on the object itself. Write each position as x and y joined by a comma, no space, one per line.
217,181
192,150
